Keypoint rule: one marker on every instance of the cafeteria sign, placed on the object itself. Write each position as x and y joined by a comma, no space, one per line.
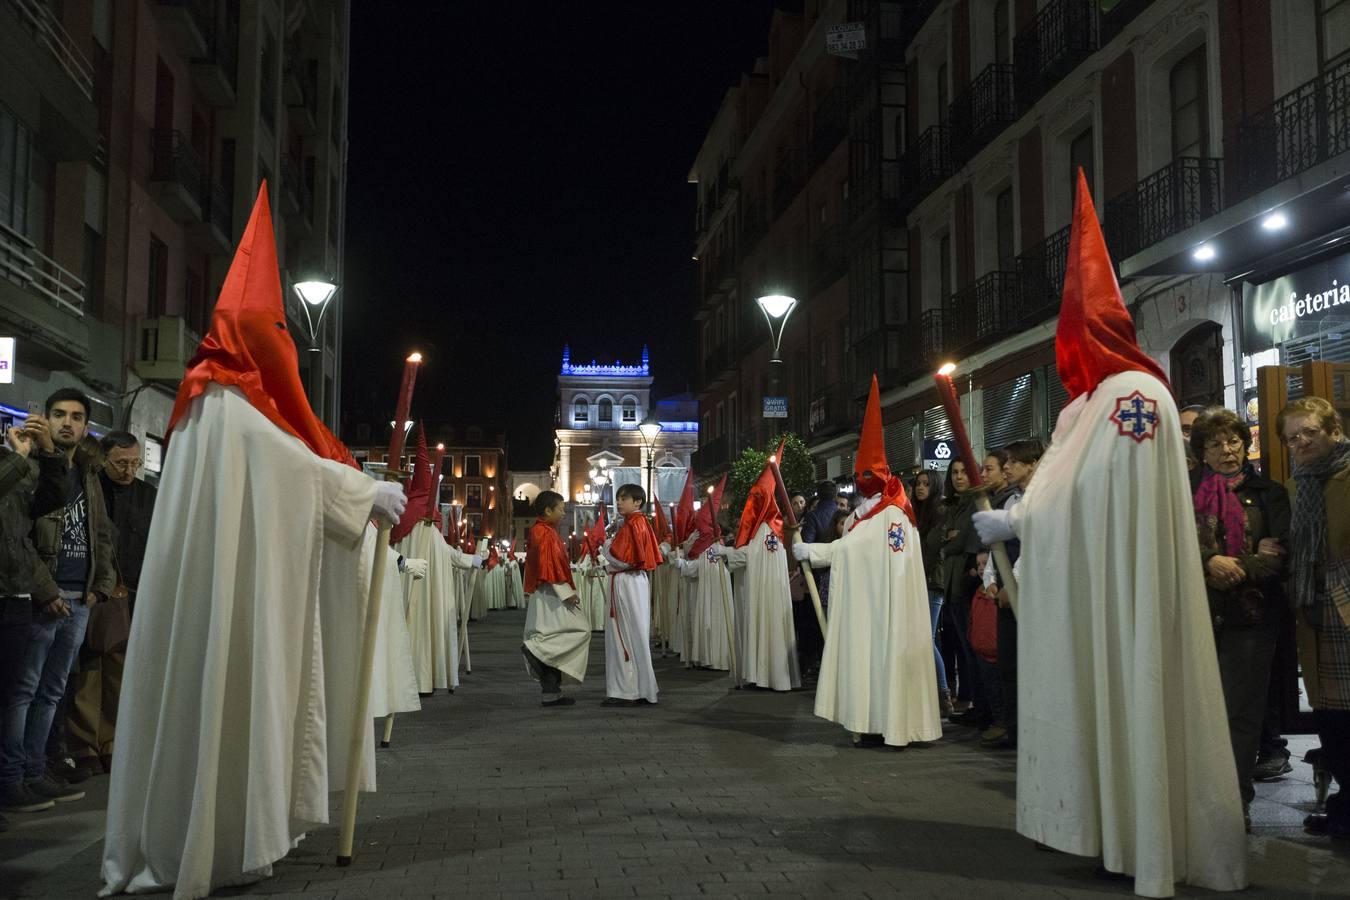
1299,304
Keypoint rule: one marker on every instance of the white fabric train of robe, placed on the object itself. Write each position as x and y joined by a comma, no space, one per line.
393,680
495,583
766,641
557,632
481,594
1123,746
707,623
515,591
433,608
666,586
232,713
628,649
595,596
877,674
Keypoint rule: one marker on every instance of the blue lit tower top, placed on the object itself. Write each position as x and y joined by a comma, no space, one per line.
594,369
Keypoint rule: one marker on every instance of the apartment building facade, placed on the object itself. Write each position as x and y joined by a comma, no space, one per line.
133,139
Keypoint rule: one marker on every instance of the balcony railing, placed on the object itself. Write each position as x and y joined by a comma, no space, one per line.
24,264
712,456
832,409
173,159
827,257
1172,199
1304,128
1040,271
987,107
37,16
1062,35
981,313
829,125
934,330
926,166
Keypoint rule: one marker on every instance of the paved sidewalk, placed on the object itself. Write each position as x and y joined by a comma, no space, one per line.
711,792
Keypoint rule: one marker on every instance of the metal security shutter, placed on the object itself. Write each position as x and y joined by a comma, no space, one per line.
1008,410
1055,396
899,437
821,469
935,424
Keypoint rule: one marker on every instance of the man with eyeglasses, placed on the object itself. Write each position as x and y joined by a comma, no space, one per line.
97,685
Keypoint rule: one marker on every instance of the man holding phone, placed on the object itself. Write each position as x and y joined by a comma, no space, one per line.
74,544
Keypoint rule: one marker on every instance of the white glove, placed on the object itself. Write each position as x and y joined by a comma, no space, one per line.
718,550
417,568
477,561
691,540
390,501
801,552
993,526
665,549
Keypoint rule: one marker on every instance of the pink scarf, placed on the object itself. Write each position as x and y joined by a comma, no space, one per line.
1219,511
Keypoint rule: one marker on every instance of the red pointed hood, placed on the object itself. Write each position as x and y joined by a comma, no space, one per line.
663,533
1095,337
870,469
684,511
419,490
761,506
596,536
705,521
249,347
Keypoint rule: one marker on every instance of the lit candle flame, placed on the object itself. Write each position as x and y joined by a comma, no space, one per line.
947,369
416,357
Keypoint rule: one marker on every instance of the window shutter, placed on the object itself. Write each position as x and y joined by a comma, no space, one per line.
1007,412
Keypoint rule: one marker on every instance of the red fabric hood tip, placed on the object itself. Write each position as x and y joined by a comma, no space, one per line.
705,521
871,471
1095,338
419,491
595,538
248,346
684,511
663,533
761,505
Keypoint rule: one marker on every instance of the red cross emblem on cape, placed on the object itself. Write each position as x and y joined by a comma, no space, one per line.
895,537
1136,416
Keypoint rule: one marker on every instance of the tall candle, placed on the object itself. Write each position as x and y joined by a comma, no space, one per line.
435,505
405,393
947,394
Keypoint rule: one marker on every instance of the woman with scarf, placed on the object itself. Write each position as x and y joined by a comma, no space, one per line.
1242,520
1320,581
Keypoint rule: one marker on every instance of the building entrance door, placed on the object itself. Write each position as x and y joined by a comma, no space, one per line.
1197,366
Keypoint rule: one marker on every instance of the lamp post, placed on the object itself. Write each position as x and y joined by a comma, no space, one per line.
650,429
776,309
314,295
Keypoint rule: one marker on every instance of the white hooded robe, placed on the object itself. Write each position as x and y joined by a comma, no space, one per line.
766,641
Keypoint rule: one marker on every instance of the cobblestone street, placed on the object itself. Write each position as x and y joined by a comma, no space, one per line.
711,792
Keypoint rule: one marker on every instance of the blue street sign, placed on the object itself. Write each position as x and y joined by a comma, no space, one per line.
937,455
775,407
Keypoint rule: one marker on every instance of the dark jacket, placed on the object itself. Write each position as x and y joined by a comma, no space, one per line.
816,522
958,552
1260,599
53,468
129,510
19,562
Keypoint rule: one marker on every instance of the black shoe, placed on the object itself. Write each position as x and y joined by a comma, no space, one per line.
68,770
17,798
1106,874
561,701
54,789
1271,767
643,701
618,701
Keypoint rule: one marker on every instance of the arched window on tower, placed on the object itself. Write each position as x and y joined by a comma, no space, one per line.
629,410
581,411
606,411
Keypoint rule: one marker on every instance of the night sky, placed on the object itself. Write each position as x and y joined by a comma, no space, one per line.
517,180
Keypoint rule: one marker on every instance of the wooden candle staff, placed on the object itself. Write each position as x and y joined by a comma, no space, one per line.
370,628
792,528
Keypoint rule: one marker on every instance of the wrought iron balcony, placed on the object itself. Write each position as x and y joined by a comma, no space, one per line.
934,329
713,456
1172,199
987,107
1063,34
981,313
787,179
215,75
827,257
926,166
1304,128
176,177
832,410
829,126
22,263
1040,272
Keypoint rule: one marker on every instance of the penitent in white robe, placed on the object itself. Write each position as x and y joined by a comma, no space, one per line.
433,608
707,618
594,590
230,701
393,681
766,641
557,632
666,588
1123,746
877,674
515,591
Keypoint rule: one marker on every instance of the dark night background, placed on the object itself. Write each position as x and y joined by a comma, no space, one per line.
517,180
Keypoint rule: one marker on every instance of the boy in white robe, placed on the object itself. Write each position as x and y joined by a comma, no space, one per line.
557,636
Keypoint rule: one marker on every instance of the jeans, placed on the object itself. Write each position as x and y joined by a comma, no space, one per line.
935,610
1007,669
52,647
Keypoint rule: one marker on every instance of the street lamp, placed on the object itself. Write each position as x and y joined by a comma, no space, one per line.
314,295
776,309
650,429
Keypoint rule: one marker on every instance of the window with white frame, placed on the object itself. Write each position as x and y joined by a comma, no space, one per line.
581,411
473,466
1189,108
605,411
629,410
